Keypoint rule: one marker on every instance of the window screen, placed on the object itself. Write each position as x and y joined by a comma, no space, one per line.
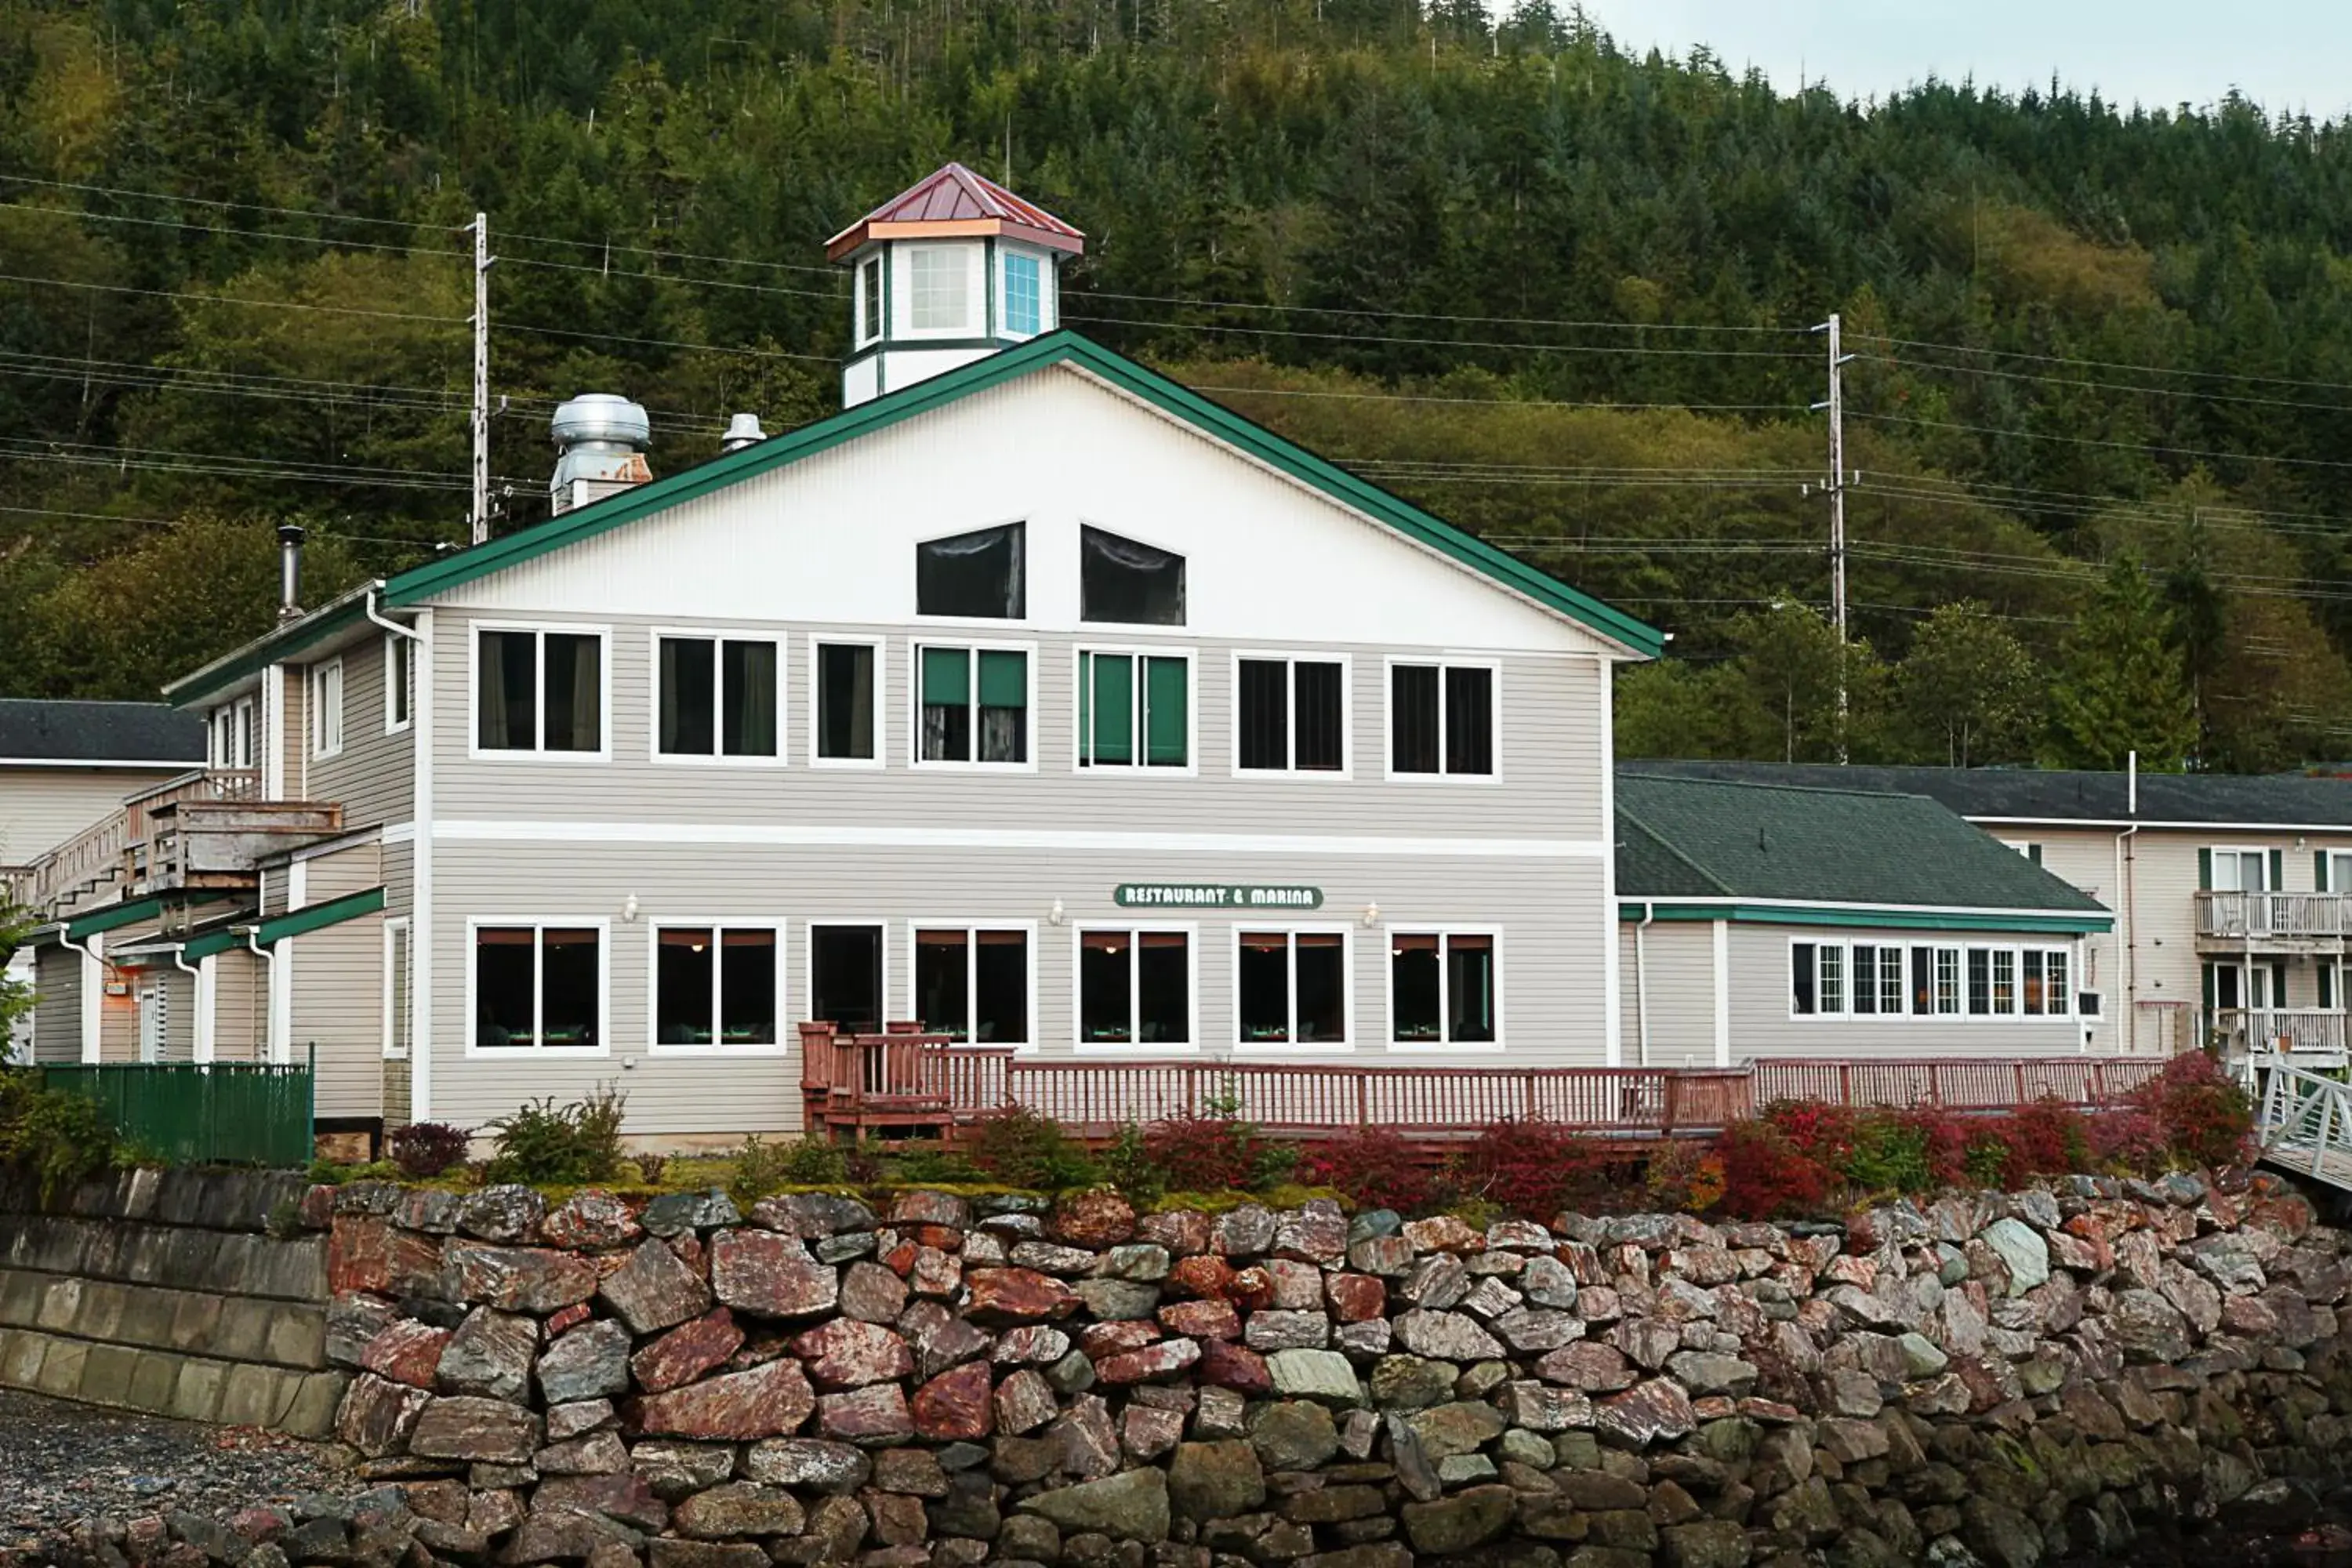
1124,581
982,573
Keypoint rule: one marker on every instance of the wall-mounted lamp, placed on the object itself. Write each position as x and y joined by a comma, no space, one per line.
629,910
2302,842
1056,915
1371,914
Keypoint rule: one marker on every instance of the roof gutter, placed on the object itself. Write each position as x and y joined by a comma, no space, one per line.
394,627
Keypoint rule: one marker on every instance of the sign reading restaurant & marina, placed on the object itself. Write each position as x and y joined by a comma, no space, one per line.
1214,896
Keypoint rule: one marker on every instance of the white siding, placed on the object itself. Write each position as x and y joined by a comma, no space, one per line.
1674,978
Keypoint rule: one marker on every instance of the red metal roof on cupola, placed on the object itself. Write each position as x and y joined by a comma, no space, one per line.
953,202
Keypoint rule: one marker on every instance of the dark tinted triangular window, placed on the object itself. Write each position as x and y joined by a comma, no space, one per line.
1133,583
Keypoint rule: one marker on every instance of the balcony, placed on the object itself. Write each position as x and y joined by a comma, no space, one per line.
200,832
2292,1031
2299,921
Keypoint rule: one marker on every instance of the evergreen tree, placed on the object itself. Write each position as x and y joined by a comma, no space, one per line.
2121,688
1967,688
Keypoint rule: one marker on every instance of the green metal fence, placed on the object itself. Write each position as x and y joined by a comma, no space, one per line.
252,1113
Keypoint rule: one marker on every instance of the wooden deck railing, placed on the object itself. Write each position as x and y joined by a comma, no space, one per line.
102,852
904,1078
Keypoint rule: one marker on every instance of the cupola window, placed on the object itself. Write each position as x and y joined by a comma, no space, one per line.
1124,581
940,280
982,573
1024,303
869,290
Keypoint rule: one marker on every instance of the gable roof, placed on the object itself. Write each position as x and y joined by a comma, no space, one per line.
2031,794
1681,837
953,195
99,734
434,577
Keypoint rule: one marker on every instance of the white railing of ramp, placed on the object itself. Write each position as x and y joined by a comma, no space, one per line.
2303,1122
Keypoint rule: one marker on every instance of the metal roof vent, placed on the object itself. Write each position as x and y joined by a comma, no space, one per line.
742,431
599,443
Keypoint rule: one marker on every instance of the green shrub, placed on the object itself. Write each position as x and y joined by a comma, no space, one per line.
761,1167
547,1145
927,1162
1023,1149
54,1136
1127,1165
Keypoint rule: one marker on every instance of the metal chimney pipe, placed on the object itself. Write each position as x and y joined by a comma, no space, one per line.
742,431
289,571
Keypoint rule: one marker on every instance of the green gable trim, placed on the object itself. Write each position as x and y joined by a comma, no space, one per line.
113,918
318,917
1061,347
1892,920
211,942
329,622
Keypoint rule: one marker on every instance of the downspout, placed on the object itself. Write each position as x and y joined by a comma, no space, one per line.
394,627
2127,862
91,963
1642,982
200,1028
269,1009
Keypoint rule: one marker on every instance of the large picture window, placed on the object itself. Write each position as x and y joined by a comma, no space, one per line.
981,574
1291,988
1290,715
540,691
1135,988
1442,719
974,704
1126,581
1134,710
717,697
1867,979
848,678
715,985
971,984
539,985
1442,988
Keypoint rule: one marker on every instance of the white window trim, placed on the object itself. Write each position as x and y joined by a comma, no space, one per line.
981,625
976,645
399,655
540,925
716,758
1347,768
807,1009
396,928
1960,952
1136,1049
971,928
881,647
871,267
1137,769
1445,985
1003,283
1346,931
1441,662
2261,853
787,1029
323,674
538,753
901,291
245,744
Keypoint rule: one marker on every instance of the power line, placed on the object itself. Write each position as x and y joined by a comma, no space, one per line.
1437,343
1497,403
230,299
235,207
1433,316
657,343
2111,365
2107,386
222,229
2097,441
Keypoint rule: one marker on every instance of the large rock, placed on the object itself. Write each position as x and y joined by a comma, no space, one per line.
1294,1434
1094,1220
589,1221
590,1362
377,1414
1324,1376
686,1352
874,1415
1468,1518
679,1469
872,1293
1002,1296
490,1431
655,1290
1132,1505
1649,1412
406,1351
1460,1428
508,1212
849,1353
1446,1336
2021,1248
519,1279
1215,1480
2147,1327
956,1404
742,1407
490,1355
770,1276
739,1509
808,1462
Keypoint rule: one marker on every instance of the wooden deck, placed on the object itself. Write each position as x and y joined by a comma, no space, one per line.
905,1081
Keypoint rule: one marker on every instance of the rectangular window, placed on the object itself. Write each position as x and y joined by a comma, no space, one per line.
327,708
971,984
715,985
1947,982
1922,981
1833,983
1129,582
399,681
845,680
870,286
974,704
1442,719
1979,982
396,988
1866,978
1290,715
1292,988
540,691
1023,296
2033,995
718,697
2004,982
1134,709
1804,998
2240,871
537,985
1442,988
1135,987
939,277
2057,973
981,575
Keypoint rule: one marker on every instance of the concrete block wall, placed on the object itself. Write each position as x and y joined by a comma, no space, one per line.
165,1291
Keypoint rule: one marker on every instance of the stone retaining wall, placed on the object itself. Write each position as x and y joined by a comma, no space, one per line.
163,1291
1995,1379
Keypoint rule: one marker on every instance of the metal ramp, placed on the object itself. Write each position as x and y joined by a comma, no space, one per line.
2303,1120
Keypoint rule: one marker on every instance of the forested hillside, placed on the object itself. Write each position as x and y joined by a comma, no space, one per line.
1556,293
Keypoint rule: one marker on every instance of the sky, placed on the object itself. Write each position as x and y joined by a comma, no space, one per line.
2286,55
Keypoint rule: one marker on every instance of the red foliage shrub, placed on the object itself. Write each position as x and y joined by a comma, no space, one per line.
2205,1115
1944,1137
1766,1174
2130,1141
1374,1167
2047,1138
425,1149
1534,1169
1202,1153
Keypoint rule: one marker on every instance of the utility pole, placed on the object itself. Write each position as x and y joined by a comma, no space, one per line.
1836,407
480,228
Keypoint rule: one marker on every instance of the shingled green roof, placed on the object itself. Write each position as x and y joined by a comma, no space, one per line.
1725,844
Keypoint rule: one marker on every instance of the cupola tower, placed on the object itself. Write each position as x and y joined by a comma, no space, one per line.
947,271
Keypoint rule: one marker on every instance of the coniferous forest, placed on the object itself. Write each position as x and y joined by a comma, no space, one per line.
1558,293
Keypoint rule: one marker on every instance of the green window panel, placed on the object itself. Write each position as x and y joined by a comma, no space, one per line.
1167,709
1111,686
1003,678
947,677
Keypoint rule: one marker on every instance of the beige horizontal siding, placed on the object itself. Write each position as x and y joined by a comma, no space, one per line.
373,777
1673,979
41,808
337,987
57,1004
